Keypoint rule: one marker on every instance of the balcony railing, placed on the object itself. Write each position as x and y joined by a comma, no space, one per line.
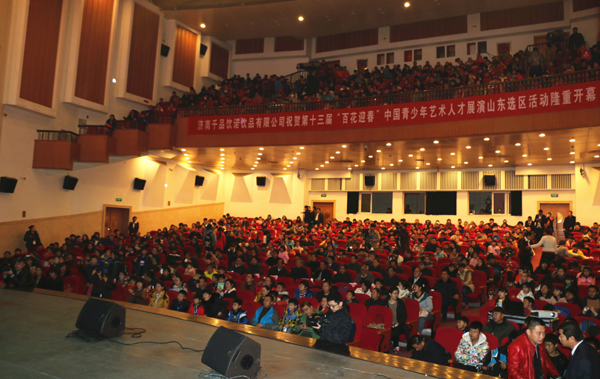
57,135
131,124
413,97
162,119
98,130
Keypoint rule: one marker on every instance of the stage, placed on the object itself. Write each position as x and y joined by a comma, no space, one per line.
33,327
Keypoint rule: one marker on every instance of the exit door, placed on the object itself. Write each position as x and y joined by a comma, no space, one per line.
327,208
115,218
559,211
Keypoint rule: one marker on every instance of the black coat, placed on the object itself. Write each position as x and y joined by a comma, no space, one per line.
569,223
31,239
584,364
22,280
342,278
337,327
180,306
432,352
447,290
298,273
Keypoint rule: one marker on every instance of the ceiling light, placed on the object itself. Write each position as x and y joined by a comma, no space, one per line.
262,148
297,153
505,161
465,162
326,161
295,158
422,149
370,156
258,158
300,18
388,144
288,166
379,151
542,135
332,157
497,151
254,165
256,162
391,164
383,168
451,166
524,155
291,162
427,164
355,165
439,159
528,164
114,80
222,154
317,168
186,154
410,155
222,168
596,156
399,160
349,168
572,140
406,5
322,165
285,168
344,146
362,161
549,159
436,141
337,152
259,153
572,153
222,158
468,147
203,25
417,168
480,157
301,147
251,168
546,148
489,165
452,153
183,150
518,144
572,162
486,139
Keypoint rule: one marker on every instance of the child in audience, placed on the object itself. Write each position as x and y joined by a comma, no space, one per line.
196,308
290,317
237,314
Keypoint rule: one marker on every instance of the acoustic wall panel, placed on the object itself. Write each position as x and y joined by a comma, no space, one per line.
142,52
184,60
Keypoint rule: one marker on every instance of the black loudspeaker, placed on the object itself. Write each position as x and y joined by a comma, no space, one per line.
7,185
231,354
164,50
261,181
139,184
369,180
489,180
199,181
70,182
203,49
101,317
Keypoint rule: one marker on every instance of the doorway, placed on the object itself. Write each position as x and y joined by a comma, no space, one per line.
115,217
361,65
327,208
559,211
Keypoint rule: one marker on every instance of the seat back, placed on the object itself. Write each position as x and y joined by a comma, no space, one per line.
358,310
573,308
361,297
311,300
449,338
492,340
379,314
250,307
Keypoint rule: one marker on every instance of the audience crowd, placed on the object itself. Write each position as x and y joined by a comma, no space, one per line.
326,280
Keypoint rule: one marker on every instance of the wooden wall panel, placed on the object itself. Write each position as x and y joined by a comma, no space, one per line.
530,15
184,61
288,44
41,50
348,40
94,48
142,52
428,29
219,61
250,46
581,5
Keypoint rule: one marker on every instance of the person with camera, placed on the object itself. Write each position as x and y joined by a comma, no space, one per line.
19,278
337,328
310,317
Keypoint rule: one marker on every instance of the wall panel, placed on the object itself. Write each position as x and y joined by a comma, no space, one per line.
94,47
288,44
428,29
219,61
530,15
348,40
250,46
40,52
184,60
580,5
142,52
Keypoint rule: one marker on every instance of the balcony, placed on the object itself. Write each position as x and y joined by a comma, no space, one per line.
97,143
55,149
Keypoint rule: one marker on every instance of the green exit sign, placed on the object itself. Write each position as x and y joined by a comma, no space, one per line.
119,199
323,195
554,195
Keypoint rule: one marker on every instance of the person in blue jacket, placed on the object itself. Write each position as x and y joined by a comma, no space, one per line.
266,316
237,314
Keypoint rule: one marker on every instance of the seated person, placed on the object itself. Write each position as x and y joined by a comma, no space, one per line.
425,305
196,308
230,291
591,303
375,298
350,299
323,307
303,290
390,279
528,304
327,289
291,317
462,323
526,291
498,325
180,304
558,359
213,305
428,350
279,270
364,275
472,348
299,271
304,325
342,276
322,273
237,314
280,288
449,291
159,297
266,316
365,288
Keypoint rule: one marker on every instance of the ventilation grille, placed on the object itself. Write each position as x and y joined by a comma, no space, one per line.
470,180
513,182
334,184
448,180
317,184
538,182
408,181
353,184
498,175
561,181
388,180
429,180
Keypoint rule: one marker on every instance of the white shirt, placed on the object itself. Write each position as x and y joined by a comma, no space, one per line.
575,348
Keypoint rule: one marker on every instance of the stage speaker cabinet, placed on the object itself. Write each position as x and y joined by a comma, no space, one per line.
7,185
164,50
70,182
233,355
101,317
139,184
199,181
261,181
489,180
369,180
203,49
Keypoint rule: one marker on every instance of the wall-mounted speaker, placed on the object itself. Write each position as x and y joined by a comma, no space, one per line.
7,185
203,49
199,181
489,180
232,354
164,50
261,181
369,180
70,182
139,184
101,317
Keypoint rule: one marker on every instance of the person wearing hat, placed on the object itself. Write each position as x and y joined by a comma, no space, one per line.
32,238
19,278
498,325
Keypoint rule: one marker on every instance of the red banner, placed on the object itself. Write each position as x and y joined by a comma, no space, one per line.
541,100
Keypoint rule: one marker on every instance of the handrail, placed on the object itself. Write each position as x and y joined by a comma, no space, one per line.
95,130
57,135
162,119
131,124
412,97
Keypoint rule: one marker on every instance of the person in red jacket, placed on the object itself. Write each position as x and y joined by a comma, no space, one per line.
527,357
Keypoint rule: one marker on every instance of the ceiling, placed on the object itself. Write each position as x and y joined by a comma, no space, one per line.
239,19
453,152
